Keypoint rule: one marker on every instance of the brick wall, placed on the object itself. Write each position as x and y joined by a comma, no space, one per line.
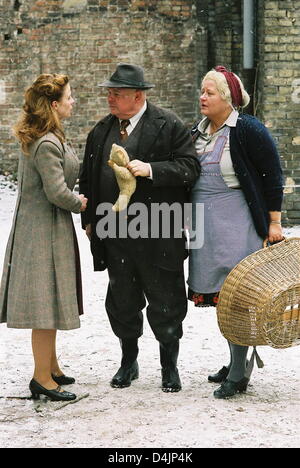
225,40
176,41
86,39
278,90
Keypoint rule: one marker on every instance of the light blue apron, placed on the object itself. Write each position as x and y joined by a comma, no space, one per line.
229,232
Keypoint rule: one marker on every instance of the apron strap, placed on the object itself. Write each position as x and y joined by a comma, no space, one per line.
214,155
259,362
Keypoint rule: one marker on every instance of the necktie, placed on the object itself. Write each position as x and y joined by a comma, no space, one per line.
123,131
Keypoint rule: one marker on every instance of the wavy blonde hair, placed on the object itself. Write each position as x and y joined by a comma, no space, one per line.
223,88
38,116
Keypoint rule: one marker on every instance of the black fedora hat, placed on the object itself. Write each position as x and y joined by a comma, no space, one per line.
127,76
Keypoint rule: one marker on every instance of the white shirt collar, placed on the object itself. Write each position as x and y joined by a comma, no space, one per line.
134,120
231,120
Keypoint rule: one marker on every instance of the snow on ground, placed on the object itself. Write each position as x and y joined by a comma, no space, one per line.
268,415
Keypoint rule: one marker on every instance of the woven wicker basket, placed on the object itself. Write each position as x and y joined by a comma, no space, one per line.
259,303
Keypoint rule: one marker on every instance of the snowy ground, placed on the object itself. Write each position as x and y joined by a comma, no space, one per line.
268,415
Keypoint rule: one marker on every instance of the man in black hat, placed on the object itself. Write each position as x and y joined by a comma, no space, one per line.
162,158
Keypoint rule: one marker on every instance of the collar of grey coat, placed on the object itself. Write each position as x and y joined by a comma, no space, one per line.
46,138
154,120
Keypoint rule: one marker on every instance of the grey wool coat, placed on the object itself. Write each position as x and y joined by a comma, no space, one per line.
40,283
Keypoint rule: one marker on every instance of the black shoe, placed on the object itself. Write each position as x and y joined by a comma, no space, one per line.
170,380
220,376
63,379
230,388
125,375
54,395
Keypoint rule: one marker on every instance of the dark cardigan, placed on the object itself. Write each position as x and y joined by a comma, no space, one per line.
256,163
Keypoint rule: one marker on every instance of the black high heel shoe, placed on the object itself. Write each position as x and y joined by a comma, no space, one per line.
230,388
63,379
54,395
220,376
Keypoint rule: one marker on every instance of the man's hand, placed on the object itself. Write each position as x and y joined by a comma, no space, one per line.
139,168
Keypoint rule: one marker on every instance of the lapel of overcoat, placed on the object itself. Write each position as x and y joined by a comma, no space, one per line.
100,133
154,121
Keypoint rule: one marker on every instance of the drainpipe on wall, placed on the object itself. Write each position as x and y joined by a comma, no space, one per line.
248,35
248,51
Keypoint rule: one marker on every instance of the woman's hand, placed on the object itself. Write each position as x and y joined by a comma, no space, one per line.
88,230
275,233
83,202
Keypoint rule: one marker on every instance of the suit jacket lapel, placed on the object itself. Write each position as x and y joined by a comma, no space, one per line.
154,121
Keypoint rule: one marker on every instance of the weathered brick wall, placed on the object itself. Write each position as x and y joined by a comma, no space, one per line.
225,32
176,41
86,39
225,40
278,90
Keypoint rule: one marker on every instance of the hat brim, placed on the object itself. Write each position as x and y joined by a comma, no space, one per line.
120,84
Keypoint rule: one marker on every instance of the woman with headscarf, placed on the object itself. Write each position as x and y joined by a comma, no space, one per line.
240,188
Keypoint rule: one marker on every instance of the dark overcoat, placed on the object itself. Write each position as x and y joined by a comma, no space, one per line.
166,144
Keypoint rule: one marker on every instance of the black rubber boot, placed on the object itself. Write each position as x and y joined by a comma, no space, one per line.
129,369
168,359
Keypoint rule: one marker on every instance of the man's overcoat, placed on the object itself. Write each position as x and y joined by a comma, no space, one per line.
165,143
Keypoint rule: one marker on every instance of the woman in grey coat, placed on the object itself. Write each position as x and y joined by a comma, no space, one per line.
41,283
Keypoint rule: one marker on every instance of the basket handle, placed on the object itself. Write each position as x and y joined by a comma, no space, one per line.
266,243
